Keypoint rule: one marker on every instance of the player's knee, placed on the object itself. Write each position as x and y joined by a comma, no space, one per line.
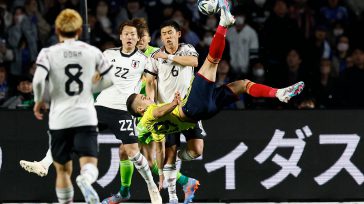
63,169
196,151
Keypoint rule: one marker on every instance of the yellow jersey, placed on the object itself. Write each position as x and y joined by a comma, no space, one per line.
159,127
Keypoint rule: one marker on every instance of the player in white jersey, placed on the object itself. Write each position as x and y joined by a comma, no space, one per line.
69,67
128,67
173,67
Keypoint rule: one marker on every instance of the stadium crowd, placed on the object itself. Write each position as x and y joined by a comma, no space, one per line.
276,42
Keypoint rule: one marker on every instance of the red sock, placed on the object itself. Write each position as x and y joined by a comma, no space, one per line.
260,90
217,45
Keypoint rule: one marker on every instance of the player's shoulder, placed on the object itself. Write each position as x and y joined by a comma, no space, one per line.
185,46
155,51
88,47
141,54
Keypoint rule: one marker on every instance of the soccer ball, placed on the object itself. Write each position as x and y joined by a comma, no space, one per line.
208,7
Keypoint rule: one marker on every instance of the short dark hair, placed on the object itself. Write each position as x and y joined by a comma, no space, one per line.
171,23
129,105
131,23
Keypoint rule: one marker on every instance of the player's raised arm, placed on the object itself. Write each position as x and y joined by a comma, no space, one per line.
182,60
167,108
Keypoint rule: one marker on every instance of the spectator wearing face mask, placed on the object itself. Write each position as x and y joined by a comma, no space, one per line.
244,46
23,99
341,53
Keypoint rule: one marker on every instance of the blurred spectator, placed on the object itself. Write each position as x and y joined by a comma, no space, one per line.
357,6
304,17
319,47
324,85
4,86
279,35
6,54
24,97
258,12
36,18
97,35
295,69
352,82
188,35
55,7
203,46
211,23
22,40
103,19
244,46
133,9
339,60
334,13
5,16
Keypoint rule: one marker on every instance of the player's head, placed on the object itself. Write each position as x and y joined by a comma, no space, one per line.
69,24
129,34
137,104
144,33
170,33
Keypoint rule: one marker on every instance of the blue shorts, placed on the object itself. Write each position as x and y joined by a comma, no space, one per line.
205,100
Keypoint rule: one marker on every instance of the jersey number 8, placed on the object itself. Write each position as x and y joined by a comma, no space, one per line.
73,78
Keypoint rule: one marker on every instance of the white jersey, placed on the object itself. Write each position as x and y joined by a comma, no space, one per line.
126,76
70,67
173,77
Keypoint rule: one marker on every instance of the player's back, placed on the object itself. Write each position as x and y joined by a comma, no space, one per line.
72,65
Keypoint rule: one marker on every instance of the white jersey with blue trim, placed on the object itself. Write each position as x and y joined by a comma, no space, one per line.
126,76
69,67
172,76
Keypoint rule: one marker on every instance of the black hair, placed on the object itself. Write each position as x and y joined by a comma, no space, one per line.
129,105
171,23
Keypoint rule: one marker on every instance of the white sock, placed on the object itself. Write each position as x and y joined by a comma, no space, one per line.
170,174
65,195
47,160
141,164
90,172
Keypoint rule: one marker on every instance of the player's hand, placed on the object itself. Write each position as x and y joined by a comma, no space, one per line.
161,180
96,77
160,55
177,98
38,109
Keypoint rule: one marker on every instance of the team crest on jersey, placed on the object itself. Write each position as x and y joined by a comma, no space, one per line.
135,64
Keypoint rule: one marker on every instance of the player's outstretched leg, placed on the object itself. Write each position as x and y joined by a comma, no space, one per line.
260,90
209,67
40,168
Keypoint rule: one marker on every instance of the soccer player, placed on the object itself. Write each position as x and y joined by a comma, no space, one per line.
129,65
172,70
69,67
204,100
